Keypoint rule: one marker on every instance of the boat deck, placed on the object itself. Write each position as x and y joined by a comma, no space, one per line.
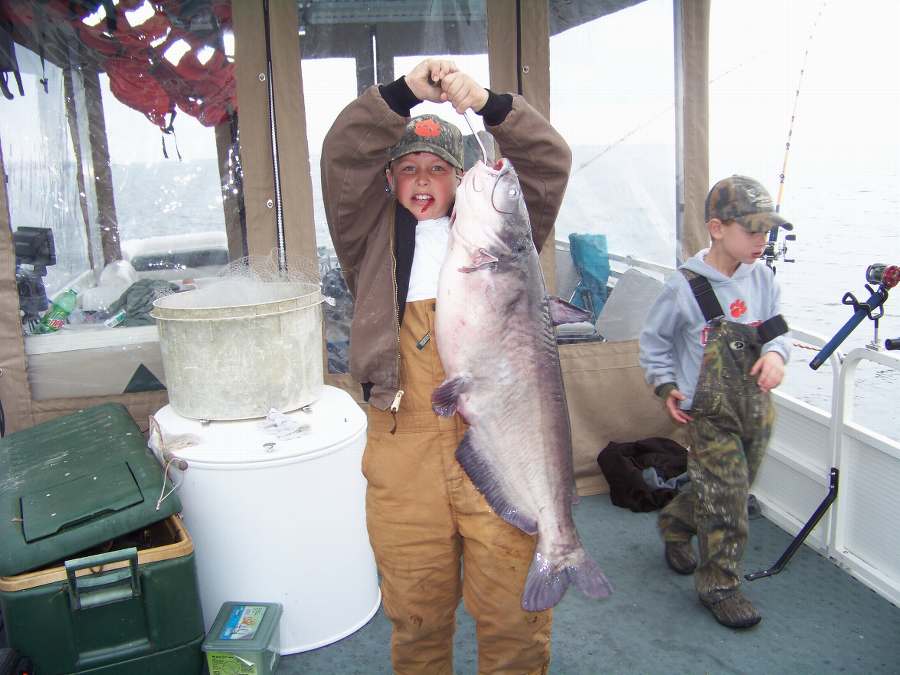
816,617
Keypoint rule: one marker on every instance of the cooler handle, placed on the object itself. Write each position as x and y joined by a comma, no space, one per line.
102,588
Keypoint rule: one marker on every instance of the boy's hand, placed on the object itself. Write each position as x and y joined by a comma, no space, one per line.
672,408
425,79
770,368
463,92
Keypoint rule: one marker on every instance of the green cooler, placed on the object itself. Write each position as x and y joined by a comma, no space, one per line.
93,577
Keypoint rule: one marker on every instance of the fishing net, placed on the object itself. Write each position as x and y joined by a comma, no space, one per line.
256,279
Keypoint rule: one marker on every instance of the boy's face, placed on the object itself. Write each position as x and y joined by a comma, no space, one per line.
424,183
739,244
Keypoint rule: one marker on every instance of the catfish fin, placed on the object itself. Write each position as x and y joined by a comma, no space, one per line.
445,397
565,312
483,258
548,580
482,476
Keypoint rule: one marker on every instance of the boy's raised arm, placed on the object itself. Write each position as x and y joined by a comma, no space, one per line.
354,155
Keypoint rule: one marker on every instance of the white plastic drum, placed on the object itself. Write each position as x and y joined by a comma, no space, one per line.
276,520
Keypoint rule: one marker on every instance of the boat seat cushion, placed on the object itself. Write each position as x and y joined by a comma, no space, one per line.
609,401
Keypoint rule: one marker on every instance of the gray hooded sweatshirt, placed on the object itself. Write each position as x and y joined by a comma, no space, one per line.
673,338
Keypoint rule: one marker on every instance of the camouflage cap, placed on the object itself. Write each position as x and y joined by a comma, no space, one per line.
745,201
429,133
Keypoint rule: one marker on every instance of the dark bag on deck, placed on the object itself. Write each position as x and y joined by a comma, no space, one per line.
623,465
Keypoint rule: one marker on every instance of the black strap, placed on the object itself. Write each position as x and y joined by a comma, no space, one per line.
709,305
704,294
772,328
404,249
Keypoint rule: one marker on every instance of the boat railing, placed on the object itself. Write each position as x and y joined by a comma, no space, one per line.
627,261
865,533
861,530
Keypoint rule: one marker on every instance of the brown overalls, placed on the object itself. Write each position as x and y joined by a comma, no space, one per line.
434,536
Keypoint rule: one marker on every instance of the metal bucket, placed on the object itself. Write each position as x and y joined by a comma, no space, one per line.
237,349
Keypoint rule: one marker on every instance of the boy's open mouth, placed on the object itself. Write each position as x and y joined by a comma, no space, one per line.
424,200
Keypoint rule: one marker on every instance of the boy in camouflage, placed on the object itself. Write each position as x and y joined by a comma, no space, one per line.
714,369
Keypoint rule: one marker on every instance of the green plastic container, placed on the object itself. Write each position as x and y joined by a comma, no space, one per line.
244,639
74,482
93,579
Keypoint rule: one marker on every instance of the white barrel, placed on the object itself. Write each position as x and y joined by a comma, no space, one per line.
237,349
277,520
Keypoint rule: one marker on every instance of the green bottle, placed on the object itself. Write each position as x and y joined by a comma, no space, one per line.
59,311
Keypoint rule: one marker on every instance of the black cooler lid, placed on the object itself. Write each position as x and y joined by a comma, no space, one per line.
74,482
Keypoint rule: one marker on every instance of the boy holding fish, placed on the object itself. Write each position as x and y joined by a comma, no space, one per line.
389,184
713,347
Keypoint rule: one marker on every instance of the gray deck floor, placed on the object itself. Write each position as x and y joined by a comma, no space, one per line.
816,618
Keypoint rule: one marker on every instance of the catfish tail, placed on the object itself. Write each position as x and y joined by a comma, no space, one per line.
548,580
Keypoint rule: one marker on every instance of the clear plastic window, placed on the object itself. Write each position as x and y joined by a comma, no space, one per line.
124,178
612,97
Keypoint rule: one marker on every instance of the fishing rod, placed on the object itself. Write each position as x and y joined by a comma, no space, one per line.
775,250
886,276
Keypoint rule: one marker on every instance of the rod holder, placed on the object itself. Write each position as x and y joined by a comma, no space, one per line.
803,533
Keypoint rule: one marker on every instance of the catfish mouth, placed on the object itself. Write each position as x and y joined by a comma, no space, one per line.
490,207
499,167
481,176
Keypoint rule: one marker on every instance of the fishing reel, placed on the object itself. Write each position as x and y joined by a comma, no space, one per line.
777,250
886,276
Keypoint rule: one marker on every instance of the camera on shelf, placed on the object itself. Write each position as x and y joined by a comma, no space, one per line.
35,252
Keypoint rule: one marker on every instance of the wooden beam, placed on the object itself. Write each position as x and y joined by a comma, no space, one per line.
253,124
501,37
235,227
75,135
535,65
107,219
519,58
384,45
364,55
87,128
293,148
692,131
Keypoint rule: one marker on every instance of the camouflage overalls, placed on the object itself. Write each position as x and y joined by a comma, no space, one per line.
729,433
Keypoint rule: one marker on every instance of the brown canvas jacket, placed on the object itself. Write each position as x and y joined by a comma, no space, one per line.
361,216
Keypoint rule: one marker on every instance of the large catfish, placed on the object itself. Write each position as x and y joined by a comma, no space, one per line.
494,333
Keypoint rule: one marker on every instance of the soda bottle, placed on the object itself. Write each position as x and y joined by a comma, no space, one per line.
59,311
